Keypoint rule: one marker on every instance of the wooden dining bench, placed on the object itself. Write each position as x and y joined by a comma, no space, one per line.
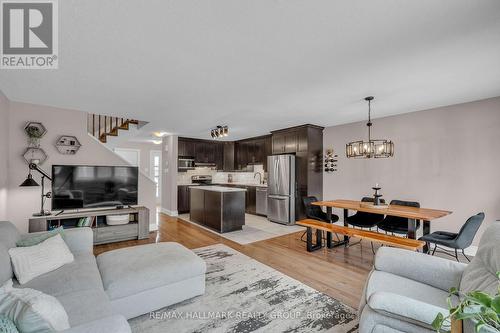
405,243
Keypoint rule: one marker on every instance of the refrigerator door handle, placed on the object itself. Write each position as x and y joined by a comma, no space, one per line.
277,197
279,176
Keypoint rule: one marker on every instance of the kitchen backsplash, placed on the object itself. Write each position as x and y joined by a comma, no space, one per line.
221,177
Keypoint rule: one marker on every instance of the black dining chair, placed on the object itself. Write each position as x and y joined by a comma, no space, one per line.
396,224
457,241
365,220
315,212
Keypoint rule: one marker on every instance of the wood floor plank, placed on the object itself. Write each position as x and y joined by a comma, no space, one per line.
339,272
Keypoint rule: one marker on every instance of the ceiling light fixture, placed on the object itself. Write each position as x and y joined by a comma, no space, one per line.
219,132
370,148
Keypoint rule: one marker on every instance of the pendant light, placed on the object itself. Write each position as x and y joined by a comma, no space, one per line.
370,148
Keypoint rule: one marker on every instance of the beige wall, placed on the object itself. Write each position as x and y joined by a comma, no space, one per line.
22,202
4,148
445,158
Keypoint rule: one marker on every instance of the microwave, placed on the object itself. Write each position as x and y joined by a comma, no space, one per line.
185,163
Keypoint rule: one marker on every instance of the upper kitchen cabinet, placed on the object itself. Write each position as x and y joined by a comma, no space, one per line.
186,147
228,156
252,151
292,140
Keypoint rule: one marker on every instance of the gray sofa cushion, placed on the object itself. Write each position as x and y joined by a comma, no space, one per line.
387,282
85,305
132,270
9,235
81,274
480,274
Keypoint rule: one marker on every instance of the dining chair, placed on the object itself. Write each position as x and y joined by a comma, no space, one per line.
316,213
365,220
456,241
396,224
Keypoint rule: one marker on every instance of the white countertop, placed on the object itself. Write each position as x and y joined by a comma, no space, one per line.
242,184
222,184
220,189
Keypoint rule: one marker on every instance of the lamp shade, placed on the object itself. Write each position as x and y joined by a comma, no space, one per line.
29,181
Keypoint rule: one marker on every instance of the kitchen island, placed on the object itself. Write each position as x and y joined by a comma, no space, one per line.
217,207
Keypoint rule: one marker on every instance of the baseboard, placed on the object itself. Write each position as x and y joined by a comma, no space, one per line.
169,212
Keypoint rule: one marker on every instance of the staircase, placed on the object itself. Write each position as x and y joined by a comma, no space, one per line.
101,127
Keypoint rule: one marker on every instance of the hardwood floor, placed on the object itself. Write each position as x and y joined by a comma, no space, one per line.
339,272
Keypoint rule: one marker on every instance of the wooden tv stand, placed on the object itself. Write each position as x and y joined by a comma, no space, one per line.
137,228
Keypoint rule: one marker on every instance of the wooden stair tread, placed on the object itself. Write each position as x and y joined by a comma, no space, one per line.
407,243
119,124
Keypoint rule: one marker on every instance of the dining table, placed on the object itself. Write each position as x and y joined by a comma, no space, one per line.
413,214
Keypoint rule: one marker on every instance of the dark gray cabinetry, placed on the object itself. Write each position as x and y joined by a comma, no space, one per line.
228,156
250,200
186,147
306,142
252,151
183,199
218,210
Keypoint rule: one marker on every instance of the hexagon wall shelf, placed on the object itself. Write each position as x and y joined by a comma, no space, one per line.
34,155
68,144
33,127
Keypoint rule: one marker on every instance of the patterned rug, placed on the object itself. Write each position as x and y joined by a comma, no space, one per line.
243,295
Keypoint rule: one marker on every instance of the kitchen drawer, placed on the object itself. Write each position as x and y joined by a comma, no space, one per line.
116,233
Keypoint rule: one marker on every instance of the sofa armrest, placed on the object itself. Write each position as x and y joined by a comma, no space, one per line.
115,324
437,272
405,309
79,239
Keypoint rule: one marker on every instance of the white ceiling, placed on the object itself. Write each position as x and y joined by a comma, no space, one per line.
258,65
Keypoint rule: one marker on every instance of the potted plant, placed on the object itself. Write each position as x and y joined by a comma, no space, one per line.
479,307
34,134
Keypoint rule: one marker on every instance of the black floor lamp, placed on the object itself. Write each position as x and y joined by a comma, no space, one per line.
31,182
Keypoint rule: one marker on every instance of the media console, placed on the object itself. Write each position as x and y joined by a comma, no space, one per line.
137,228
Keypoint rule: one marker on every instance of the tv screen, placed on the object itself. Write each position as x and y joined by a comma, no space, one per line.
78,186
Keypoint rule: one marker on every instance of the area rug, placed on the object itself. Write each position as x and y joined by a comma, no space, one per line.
243,295
256,229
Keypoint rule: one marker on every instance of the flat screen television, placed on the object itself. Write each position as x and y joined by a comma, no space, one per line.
82,186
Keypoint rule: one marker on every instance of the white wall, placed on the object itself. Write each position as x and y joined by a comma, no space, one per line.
144,149
22,202
169,175
445,158
4,148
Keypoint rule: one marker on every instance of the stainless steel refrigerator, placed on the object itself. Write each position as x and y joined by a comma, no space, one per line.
281,189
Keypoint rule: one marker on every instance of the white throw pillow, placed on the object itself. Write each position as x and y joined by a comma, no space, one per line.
30,262
31,310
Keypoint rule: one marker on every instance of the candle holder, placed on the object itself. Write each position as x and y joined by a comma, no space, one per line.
376,195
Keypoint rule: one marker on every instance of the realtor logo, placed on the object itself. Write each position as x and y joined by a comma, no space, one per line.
29,34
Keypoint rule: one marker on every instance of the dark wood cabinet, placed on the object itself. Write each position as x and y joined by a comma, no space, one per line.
228,156
219,155
252,151
183,199
278,140
251,200
291,142
186,147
